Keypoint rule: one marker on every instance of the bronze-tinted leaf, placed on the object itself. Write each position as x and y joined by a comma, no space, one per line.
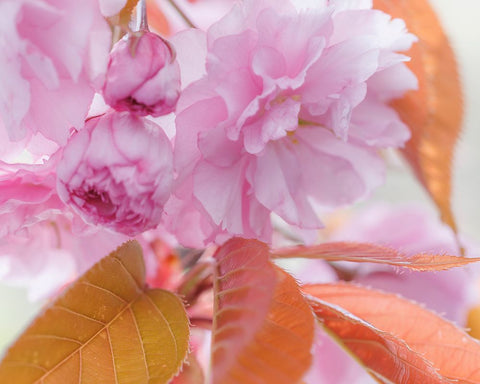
455,354
157,19
433,113
371,253
263,328
106,328
473,322
192,372
386,357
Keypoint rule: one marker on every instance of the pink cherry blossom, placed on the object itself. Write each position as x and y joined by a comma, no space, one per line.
332,364
143,76
43,244
27,195
287,114
111,7
117,172
49,255
53,54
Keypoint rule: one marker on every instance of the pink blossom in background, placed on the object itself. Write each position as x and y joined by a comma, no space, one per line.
143,76
203,13
27,195
287,114
332,365
43,244
45,87
48,255
117,172
413,229
111,7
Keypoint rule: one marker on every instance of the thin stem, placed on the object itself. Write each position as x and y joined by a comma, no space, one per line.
142,22
182,14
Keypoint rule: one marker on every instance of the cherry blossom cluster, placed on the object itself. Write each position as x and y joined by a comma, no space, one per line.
277,107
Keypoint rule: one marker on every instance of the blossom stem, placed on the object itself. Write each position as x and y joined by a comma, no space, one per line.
182,14
142,22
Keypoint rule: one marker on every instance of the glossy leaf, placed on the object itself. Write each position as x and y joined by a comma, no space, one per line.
386,357
455,354
434,113
263,329
106,328
371,253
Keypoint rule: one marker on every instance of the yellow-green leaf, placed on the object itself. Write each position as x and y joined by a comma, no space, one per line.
108,327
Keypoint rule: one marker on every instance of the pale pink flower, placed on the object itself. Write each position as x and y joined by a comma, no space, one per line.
143,76
117,172
291,111
333,365
27,195
43,244
53,54
48,255
203,13
111,7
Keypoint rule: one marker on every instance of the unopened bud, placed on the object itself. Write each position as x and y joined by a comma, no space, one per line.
143,76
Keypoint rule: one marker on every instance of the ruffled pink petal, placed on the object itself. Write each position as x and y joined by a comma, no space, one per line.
40,76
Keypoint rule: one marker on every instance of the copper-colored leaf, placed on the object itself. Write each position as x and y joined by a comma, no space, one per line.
455,354
106,328
192,372
371,253
157,19
433,113
473,322
383,355
263,328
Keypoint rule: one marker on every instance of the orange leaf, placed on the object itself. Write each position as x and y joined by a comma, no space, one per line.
473,322
192,372
263,329
157,19
106,328
371,253
455,354
434,113
386,357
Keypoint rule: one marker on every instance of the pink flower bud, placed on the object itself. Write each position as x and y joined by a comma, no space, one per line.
117,172
143,76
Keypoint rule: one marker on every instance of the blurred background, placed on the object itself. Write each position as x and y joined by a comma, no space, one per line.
460,20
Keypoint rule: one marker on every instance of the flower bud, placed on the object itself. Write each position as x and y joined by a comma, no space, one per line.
143,76
117,172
